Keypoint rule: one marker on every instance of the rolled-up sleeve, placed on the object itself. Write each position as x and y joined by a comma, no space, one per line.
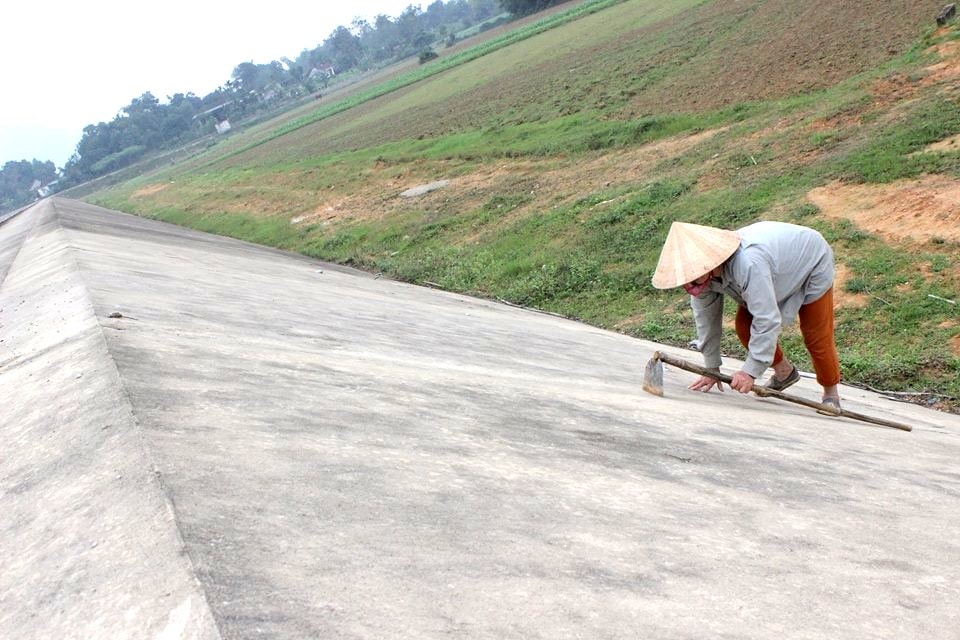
708,314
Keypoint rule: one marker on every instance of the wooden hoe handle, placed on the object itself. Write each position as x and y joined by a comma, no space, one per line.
763,392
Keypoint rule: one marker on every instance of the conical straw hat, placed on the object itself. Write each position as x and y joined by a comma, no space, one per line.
690,251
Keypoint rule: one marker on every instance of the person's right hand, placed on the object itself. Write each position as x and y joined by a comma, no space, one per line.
705,383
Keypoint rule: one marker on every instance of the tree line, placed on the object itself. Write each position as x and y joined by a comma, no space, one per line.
21,179
147,125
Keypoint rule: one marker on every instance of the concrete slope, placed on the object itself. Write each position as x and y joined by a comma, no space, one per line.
349,457
88,543
11,239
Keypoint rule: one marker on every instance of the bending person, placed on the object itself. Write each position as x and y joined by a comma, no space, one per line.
775,271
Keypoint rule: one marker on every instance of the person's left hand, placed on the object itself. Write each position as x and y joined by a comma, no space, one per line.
742,382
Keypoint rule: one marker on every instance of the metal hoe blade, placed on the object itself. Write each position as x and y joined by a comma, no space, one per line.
653,376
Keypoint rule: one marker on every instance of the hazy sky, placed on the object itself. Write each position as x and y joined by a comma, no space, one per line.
67,64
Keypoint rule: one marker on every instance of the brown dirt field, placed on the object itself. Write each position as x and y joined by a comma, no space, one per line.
745,50
915,210
781,47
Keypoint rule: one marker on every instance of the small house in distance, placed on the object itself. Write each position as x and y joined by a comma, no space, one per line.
322,71
219,113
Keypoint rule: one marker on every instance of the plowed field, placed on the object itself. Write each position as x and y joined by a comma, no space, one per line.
681,56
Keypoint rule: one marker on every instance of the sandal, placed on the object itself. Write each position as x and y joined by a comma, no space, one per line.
833,403
776,384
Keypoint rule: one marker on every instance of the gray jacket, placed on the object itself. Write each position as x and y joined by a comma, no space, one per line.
778,268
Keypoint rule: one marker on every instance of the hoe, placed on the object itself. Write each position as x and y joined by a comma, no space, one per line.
653,383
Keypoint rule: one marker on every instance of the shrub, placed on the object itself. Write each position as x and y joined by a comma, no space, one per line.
427,55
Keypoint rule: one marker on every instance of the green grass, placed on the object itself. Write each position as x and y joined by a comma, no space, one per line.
570,134
891,155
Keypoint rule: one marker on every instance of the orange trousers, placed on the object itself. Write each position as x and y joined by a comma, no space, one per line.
816,326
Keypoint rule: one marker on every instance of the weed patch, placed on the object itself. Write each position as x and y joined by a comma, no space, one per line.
892,154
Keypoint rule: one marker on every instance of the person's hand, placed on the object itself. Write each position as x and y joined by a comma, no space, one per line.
742,382
705,383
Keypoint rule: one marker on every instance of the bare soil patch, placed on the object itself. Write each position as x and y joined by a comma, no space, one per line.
946,145
843,298
378,196
767,49
917,210
636,161
547,182
150,189
334,209
947,69
891,90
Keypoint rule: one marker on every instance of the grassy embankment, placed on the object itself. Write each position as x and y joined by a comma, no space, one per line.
565,209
